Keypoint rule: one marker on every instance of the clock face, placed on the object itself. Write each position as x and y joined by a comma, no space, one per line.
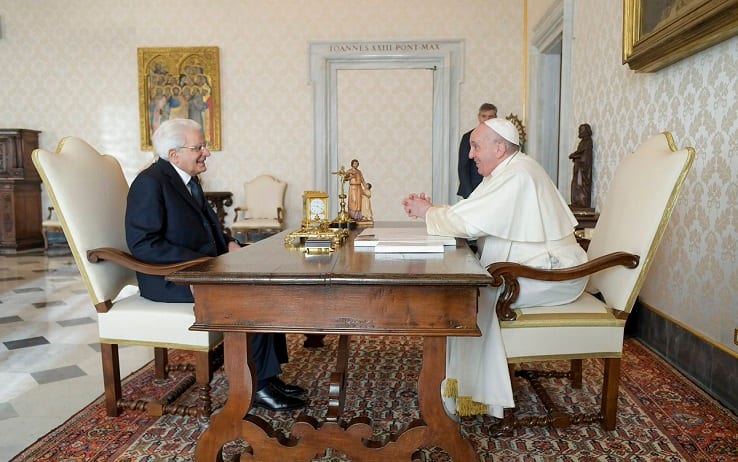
317,208
314,209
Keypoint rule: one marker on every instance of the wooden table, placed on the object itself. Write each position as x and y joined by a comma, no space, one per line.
267,288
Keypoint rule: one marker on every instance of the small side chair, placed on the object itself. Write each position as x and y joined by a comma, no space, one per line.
263,211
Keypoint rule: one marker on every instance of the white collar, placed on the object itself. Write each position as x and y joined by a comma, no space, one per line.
186,177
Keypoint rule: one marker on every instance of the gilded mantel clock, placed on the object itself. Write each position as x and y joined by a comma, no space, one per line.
314,235
314,209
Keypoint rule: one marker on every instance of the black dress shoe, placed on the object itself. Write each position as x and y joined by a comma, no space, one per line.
288,388
271,398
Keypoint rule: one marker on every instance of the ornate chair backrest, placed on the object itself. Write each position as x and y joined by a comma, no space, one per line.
88,191
638,206
264,195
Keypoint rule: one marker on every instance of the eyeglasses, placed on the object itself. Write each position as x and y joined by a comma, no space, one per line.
197,148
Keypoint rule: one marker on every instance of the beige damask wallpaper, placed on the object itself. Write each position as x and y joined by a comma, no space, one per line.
69,68
368,118
694,279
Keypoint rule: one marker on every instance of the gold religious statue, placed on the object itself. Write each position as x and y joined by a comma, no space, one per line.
356,186
367,215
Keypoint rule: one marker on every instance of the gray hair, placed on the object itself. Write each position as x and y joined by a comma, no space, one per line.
171,135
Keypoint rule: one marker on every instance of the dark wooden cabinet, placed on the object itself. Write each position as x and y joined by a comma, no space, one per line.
20,192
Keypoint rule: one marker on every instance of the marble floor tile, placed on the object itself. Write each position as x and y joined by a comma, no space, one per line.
50,363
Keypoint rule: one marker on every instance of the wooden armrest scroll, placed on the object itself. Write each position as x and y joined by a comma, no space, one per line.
126,260
104,307
280,216
507,273
236,211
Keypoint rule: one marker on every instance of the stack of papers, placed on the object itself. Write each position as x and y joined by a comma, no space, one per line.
402,240
408,247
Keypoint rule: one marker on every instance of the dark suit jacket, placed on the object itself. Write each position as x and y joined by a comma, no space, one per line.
469,177
164,224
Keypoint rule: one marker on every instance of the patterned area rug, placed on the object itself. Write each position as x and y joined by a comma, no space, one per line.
662,416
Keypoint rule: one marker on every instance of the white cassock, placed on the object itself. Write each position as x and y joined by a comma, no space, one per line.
516,214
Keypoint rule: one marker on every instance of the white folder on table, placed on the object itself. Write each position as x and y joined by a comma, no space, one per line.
402,240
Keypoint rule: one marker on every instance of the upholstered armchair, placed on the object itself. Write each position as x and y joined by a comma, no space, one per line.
263,211
88,191
639,202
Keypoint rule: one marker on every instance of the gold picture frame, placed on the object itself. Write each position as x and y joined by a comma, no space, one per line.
657,33
180,83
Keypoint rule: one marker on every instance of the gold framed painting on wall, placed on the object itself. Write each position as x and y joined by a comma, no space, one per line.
657,33
179,83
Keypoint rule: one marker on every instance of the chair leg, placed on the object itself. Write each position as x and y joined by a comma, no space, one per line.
45,234
203,376
161,360
576,373
610,384
506,427
111,377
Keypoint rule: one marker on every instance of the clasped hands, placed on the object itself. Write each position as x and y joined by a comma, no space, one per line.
416,205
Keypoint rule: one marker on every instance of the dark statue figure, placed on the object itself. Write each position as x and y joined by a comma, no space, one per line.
581,181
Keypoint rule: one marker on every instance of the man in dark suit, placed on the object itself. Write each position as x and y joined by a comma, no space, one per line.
469,177
169,221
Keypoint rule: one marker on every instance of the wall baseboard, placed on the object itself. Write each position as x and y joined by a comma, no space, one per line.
710,367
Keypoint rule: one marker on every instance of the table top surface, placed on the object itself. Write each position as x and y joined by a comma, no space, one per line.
270,262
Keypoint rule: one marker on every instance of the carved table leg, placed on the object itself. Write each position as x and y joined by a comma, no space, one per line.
313,341
225,423
309,437
445,433
337,391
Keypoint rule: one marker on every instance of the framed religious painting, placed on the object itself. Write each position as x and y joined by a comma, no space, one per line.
179,83
657,33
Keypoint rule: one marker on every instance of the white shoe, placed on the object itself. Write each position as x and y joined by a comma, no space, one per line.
496,411
449,405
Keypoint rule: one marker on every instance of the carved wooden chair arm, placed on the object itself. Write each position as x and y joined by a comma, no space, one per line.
507,273
280,215
126,260
238,210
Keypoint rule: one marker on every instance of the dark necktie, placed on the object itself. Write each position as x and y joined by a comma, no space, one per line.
197,193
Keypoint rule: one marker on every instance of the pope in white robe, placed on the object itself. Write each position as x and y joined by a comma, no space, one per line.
516,214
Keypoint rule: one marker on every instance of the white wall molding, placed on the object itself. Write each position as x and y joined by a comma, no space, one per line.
446,58
550,102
